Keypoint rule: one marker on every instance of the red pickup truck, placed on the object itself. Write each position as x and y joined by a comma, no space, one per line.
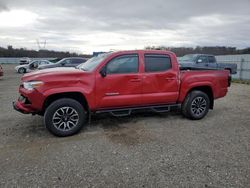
1,71
118,83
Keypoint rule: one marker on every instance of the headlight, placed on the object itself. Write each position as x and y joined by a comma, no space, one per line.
32,85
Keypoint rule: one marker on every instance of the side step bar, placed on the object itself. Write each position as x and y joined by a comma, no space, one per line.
121,112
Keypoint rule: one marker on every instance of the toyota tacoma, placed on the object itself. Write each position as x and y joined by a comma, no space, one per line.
119,83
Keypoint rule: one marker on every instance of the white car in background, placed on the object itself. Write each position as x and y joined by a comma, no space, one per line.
33,65
24,61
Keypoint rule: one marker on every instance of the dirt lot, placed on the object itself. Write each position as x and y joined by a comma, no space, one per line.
143,150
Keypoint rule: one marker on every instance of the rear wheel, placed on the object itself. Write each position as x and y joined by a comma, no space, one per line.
65,117
196,105
21,70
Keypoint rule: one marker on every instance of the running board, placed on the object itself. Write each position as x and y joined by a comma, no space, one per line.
161,109
121,112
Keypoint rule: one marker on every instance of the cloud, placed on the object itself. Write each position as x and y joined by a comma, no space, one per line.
82,25
3,7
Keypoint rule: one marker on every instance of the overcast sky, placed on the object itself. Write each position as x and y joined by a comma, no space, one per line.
85,26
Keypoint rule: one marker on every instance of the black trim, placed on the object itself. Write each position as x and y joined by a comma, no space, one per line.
229,80
155,108
198,68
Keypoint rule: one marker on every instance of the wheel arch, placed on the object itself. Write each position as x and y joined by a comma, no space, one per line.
78,96
229,69
206,89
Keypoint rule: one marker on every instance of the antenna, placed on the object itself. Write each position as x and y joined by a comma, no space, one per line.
39,44
44,45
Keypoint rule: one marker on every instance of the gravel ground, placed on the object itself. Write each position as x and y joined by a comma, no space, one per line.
143,150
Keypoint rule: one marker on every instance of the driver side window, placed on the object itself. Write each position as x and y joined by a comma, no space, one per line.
202,59
123,64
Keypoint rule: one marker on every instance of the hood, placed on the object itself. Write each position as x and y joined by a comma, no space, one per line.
36,75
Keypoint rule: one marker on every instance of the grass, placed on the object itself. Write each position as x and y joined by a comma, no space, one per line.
241,81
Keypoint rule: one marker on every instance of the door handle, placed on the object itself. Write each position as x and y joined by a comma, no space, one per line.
135,80
112,94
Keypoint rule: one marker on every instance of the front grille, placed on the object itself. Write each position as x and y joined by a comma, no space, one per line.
24,99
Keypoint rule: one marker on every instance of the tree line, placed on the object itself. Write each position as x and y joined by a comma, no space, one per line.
22,52
179,51
215,50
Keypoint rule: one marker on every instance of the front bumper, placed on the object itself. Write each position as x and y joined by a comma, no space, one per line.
18,106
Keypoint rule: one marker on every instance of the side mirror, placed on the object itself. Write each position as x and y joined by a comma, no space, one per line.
63,63
199,61
103,72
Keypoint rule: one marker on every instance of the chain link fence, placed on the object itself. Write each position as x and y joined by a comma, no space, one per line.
243,64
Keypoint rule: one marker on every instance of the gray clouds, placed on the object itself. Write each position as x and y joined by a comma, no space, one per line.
103,25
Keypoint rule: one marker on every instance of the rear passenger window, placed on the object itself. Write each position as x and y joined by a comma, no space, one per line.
157,63
211,59
123,64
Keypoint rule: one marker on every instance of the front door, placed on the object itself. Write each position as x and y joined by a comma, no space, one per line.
122,85
160,80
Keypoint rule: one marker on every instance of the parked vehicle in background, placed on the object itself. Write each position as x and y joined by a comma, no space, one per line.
24,61
31,66
119,83
66,62
207,61
1,71
55,60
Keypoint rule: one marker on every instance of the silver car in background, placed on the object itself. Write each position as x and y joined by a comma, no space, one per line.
33,65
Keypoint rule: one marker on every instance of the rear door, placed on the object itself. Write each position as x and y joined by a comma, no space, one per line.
160,80
122,85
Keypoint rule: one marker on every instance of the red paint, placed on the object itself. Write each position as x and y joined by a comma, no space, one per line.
122,90
1,71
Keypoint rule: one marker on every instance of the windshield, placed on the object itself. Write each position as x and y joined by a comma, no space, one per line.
32,62
189,57
93,62
62,60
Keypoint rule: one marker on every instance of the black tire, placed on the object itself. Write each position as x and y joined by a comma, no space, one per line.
196,105
21,70
58,120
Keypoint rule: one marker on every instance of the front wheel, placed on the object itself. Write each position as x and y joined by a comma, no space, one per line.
65,117
196,105
21,70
